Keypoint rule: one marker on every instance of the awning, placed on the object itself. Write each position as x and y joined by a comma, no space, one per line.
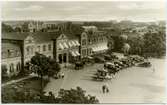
70,44
100,47
73,53
77,43
74,44
61,46
78,54
65,44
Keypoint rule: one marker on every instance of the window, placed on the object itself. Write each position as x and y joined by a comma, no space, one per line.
32,50
44,48
38,48
49,47
9,53
28,50
89,41
18,67
88,51
84,42
84,52
11,67
17,53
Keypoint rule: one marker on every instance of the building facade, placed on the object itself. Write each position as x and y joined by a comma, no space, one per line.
19,48
65,48
92,41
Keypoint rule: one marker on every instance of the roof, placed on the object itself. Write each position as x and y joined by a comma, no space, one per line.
39,37
15,35
6,46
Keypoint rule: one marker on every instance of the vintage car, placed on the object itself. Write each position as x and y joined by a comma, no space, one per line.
79,65
145,64
102,74
88,60
99,59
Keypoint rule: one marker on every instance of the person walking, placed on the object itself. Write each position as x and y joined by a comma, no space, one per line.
103,88
107,88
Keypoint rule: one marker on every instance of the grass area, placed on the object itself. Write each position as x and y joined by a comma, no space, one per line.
10,92
13,78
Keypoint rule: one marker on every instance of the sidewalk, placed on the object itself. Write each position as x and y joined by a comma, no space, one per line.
18,80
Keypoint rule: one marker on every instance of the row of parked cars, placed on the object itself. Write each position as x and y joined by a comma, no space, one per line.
118,64
113,64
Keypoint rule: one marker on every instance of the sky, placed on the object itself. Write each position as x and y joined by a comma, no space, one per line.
84,10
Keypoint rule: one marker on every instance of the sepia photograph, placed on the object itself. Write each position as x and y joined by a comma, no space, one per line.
83,52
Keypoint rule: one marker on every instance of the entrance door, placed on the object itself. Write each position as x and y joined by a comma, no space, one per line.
60,58
65,57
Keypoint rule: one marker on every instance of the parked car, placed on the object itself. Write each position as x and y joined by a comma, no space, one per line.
145,64
88,60
59,75
107,57
102,74
99,59
79,65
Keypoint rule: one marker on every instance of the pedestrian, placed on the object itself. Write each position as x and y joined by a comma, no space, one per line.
103,88
62,75
107,89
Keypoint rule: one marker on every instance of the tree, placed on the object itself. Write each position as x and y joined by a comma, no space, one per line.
154,44
110,44
17,29
136,44
126,48
54,68
75,96
4,72
41,65
7,28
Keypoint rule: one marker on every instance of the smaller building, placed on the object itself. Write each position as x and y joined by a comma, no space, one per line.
11,58
92,41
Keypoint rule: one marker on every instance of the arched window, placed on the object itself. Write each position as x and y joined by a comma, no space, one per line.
11,67
18,66
4,69
44,47
28,50
49,47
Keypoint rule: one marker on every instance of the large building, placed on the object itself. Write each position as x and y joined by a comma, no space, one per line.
92,41
19,47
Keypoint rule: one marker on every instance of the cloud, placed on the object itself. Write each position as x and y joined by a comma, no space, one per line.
141,6
30,8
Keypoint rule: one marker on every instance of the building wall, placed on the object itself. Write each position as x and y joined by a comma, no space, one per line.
45,48
62,52
29,48
84,44
97,38
13,65
11,57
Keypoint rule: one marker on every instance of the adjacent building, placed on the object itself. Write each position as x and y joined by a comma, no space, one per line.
19,48
92,41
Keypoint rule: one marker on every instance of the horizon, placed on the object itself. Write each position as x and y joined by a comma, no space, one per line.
83,20
139,11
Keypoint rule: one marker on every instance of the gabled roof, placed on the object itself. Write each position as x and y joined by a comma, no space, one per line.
15,35
39,37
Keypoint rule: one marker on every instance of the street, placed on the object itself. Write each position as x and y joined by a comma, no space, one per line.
132,85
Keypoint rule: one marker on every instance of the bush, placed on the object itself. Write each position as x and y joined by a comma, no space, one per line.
75,96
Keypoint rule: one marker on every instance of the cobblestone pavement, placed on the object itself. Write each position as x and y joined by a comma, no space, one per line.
134,85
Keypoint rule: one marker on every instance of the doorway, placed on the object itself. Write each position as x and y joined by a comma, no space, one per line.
60,58
65,57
